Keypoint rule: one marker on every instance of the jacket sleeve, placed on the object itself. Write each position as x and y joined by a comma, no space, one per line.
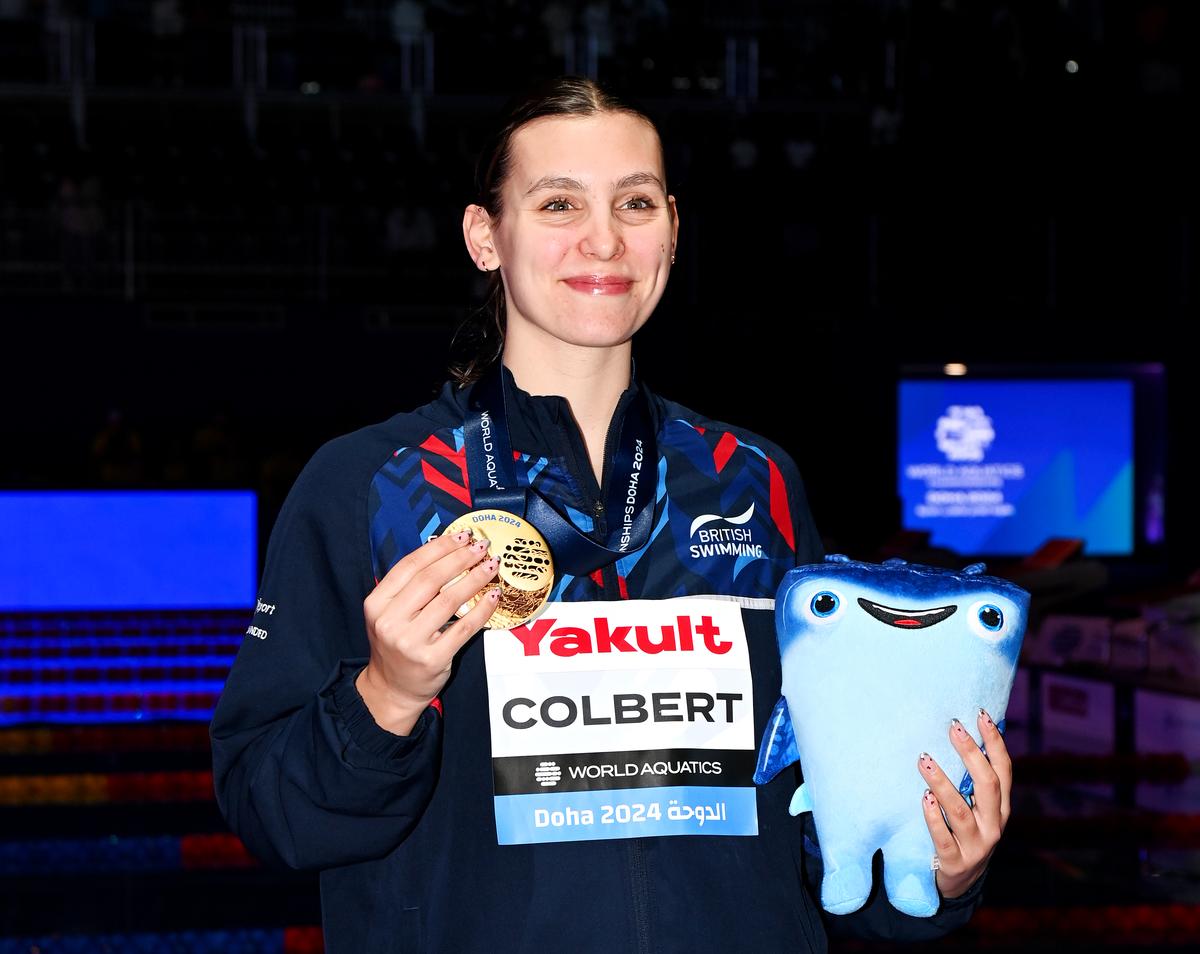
303,774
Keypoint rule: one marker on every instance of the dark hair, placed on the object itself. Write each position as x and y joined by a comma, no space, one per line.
480,339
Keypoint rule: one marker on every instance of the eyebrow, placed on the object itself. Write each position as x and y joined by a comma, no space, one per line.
567,184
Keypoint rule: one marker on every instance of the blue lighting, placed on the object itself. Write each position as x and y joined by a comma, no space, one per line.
127,550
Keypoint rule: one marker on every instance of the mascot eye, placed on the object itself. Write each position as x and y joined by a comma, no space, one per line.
825,604
991,617
988,621
819,607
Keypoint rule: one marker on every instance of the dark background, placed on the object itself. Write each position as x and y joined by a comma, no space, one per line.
910,182
231,231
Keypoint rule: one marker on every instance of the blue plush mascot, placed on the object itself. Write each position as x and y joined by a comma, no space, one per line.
877,659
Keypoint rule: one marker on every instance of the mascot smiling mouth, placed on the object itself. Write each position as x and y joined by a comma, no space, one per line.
907,619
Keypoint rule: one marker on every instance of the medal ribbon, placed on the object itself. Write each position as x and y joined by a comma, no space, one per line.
633,480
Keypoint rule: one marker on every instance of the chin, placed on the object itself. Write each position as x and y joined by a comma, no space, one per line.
594,329
608,326
602,334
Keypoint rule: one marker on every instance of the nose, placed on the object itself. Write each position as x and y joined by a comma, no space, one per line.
603,239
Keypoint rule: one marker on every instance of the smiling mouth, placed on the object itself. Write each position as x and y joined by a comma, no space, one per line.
592,285
906,618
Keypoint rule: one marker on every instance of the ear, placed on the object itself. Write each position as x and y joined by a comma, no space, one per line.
477,234
674,225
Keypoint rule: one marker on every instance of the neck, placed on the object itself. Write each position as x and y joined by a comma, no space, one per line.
591,379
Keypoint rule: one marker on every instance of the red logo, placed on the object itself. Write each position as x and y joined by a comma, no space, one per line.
604,638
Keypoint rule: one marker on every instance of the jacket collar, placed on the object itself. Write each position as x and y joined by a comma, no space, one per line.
541,424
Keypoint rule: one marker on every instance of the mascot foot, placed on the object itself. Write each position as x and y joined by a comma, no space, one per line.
909,890
846,889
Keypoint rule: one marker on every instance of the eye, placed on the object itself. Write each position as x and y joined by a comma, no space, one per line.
991,617
638,204
557,205
824,606
988,620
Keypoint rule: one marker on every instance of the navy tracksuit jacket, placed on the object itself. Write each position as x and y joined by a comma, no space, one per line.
402,828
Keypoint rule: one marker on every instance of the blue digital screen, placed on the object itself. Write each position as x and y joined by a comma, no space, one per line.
100,550
997,467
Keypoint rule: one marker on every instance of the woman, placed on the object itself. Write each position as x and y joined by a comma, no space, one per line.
582,780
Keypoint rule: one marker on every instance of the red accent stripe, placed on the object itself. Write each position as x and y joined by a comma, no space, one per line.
597,578
621,587
698,428
442,449
781,513
457,457
434,476
436,703
724,450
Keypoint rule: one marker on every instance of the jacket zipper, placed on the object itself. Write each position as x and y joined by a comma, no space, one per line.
579,458
639,887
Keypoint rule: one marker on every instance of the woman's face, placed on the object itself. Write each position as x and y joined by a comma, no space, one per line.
587,231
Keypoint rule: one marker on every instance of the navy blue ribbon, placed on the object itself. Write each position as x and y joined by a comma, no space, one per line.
633,480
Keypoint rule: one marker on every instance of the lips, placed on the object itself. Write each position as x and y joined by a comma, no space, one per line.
907,618
599,284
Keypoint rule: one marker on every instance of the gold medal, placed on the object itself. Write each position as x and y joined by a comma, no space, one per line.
526,569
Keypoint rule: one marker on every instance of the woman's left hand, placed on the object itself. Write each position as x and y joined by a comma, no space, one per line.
965,837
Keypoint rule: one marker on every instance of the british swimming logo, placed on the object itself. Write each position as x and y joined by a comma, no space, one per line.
733,539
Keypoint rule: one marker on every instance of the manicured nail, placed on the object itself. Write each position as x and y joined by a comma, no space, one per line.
490,565
929,799
926,761
479,546
462,536
957,728
987,719
493,595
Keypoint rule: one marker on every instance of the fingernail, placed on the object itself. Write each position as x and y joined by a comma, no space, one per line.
462,536
957,728
479,546
493,595
490,565
929,799
927,761
987,719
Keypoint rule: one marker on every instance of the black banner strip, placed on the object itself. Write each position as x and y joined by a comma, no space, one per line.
601,771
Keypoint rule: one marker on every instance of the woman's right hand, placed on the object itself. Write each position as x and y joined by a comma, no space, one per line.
411,652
